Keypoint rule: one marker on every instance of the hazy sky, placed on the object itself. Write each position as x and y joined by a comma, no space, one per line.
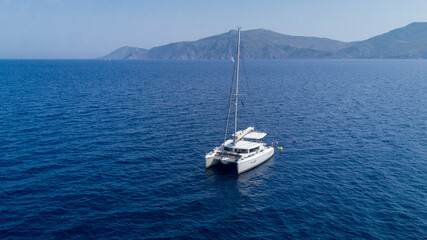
93,28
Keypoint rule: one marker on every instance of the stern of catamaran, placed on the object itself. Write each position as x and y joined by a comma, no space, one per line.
211,158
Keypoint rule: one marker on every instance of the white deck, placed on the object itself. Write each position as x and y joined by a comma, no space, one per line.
255,135
242,144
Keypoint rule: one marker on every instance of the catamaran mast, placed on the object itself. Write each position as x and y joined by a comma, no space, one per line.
237,85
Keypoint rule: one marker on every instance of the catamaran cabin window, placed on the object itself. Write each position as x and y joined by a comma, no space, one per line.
242,150
254,149
228,149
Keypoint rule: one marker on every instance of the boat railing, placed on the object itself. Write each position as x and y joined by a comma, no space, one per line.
229,154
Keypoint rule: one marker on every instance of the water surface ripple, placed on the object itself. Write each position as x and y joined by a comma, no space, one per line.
99,150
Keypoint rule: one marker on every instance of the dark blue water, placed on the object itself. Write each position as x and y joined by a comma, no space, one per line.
99,150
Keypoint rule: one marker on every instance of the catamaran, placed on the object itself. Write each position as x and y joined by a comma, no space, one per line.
245,149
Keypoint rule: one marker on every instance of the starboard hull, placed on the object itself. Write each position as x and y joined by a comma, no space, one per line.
244,165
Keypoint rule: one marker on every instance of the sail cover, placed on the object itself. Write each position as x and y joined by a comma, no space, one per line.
255,135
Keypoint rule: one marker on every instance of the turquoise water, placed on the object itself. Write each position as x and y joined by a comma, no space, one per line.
95,149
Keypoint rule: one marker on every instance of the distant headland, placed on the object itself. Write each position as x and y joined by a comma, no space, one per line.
409,42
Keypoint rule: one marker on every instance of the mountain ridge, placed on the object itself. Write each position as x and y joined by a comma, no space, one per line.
406,42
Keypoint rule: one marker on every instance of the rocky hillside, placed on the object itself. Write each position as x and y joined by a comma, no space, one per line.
406,42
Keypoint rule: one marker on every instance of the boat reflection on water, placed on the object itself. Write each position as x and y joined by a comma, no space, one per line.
224,177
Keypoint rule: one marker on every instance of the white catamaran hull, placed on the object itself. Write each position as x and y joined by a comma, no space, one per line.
211,161
211,158
246,164
243,164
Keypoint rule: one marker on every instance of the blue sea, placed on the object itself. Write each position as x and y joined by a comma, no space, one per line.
115,150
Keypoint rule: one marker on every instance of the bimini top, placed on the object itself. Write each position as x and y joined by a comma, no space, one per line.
255,135
242,144
248,133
